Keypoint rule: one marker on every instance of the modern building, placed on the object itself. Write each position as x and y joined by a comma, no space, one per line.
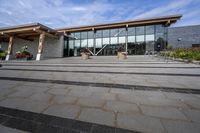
136,37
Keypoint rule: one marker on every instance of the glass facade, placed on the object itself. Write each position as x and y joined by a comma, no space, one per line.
136,40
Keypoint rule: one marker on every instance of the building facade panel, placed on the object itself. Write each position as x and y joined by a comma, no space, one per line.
184,36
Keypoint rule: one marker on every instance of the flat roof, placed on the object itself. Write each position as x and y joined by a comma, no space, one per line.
26,31
34,29
30,25
147,21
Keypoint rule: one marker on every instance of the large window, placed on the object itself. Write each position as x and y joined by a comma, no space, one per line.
114,34
160,37
140,34
106,37
150,37
91,40
98,42
150,33
131,34
99,34
122,34
77,35
84,39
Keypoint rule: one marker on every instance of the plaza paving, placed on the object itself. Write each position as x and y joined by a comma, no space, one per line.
143,94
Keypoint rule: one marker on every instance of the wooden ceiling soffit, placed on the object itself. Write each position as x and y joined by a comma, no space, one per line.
6,35
25,38
28,34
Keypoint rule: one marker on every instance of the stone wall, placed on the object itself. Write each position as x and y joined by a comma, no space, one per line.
189,35
53,48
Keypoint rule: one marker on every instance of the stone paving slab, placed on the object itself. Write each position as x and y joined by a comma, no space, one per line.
105,96
163,112
64,99
97,116
153,101
58,91
90,102
80,93
140,123
65,111
193,115
181,126
43,97
116,106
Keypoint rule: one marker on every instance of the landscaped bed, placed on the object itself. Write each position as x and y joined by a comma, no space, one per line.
189,54
2,54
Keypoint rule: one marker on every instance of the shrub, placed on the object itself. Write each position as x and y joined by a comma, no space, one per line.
184,53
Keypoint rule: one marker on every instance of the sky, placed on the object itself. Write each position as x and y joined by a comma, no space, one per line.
69,13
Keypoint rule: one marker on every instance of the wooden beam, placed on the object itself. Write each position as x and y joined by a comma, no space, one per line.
48,34
19,30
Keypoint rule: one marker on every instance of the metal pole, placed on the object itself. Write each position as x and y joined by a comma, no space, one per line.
94,37
126,37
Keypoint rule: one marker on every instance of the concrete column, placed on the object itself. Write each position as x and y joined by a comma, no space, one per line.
9,47
40,46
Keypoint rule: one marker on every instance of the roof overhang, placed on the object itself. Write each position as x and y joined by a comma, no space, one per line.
167,20
27,31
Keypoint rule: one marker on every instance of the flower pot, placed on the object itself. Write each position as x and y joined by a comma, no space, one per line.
121,55
84,56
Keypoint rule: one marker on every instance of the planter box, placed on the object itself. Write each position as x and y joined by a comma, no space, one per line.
24,56
85,56
121,55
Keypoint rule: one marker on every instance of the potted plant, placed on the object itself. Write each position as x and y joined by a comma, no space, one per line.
24,54
121,54
85,54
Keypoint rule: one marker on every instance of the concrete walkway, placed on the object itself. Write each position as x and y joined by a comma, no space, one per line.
143,94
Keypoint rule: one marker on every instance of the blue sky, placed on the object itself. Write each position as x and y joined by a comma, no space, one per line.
68,13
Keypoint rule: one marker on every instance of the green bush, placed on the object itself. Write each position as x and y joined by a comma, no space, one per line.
184,53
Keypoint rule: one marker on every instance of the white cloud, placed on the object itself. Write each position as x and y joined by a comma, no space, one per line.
170,8
78,9
66,13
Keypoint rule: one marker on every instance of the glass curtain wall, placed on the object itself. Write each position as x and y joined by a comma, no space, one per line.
107,41
91,41
140,40
160,37
98,45
77,44
122,38
131,46
150,38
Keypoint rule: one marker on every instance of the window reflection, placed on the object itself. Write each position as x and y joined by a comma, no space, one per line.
139,40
